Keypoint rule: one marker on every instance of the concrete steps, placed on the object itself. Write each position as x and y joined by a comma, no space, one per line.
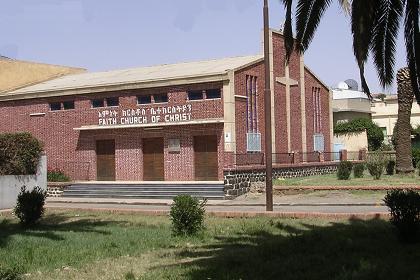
153,191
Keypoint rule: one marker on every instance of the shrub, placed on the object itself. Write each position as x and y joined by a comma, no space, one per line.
358,170
344,170
30,205
416,155
404,206
374,132
390,166
19,154
375,164
57,176
418,166
187,215
10,274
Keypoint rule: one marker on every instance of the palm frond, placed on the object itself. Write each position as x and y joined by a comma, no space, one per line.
363,21
346,5
318,9
412,41
288,32
385,35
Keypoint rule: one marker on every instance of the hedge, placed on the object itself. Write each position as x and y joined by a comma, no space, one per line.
19,154
375,134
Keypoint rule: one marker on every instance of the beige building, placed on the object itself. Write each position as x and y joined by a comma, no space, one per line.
15,74
385,114
349,103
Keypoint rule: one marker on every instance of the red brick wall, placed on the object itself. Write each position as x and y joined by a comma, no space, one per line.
256,70
73,150
311,81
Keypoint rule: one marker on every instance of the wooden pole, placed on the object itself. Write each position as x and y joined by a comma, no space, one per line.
267,109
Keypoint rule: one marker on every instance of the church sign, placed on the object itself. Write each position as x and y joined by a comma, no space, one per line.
165,114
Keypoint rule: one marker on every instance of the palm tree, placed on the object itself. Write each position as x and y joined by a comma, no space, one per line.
374,25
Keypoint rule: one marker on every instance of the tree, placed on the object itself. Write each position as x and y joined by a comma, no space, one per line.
403,127
374,25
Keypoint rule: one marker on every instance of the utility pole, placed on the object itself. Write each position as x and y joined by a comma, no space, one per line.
267,109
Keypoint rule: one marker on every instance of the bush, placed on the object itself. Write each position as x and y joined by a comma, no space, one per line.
375,134
187,215
10,274
57,176
415,155
358,170
344,170
19,154
390,167
375,164
404,206
30,206
418,166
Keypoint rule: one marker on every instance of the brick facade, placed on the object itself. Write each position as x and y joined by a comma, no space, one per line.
70,144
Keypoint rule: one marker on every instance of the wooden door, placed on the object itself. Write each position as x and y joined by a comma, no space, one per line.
153,159
105,160
205,158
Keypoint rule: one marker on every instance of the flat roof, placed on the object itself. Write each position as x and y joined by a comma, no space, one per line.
143,77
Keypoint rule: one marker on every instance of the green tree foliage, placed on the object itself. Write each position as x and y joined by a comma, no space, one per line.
187,215
374,132
19,154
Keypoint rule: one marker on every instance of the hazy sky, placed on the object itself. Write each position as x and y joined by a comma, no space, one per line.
108,34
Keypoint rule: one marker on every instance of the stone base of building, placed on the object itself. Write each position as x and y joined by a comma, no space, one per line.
241,181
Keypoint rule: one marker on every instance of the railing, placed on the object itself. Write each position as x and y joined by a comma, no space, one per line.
75,170
249,159
331,156
309,157
283,158
353,155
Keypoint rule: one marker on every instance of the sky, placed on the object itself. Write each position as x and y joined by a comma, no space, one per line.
102,35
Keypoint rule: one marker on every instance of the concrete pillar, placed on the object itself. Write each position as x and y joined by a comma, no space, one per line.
343,155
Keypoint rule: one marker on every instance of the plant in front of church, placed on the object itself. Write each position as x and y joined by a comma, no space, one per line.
404,206
187,215
30,206
57,175
358,170
19,154
344,170
390,167
375,164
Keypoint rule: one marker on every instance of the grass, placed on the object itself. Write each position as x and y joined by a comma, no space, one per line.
100,245
367,180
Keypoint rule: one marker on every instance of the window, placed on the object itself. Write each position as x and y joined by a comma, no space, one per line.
253,142
195,95
160,98
317,112
97,103
319,144
213,93
144,99
251,104
56,106
68,105
112,101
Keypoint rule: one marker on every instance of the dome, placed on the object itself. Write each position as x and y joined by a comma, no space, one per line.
343,85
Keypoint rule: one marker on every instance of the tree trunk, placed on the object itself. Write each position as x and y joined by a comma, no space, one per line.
403,126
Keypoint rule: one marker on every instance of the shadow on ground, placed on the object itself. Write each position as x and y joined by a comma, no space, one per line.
354,250
51,226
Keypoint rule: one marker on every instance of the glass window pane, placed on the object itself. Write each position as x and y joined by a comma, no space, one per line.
144,99
195,95
112,101
161,98
213,93
56,106
97,103
68,105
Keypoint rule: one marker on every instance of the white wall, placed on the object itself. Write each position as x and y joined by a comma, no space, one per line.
10,185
